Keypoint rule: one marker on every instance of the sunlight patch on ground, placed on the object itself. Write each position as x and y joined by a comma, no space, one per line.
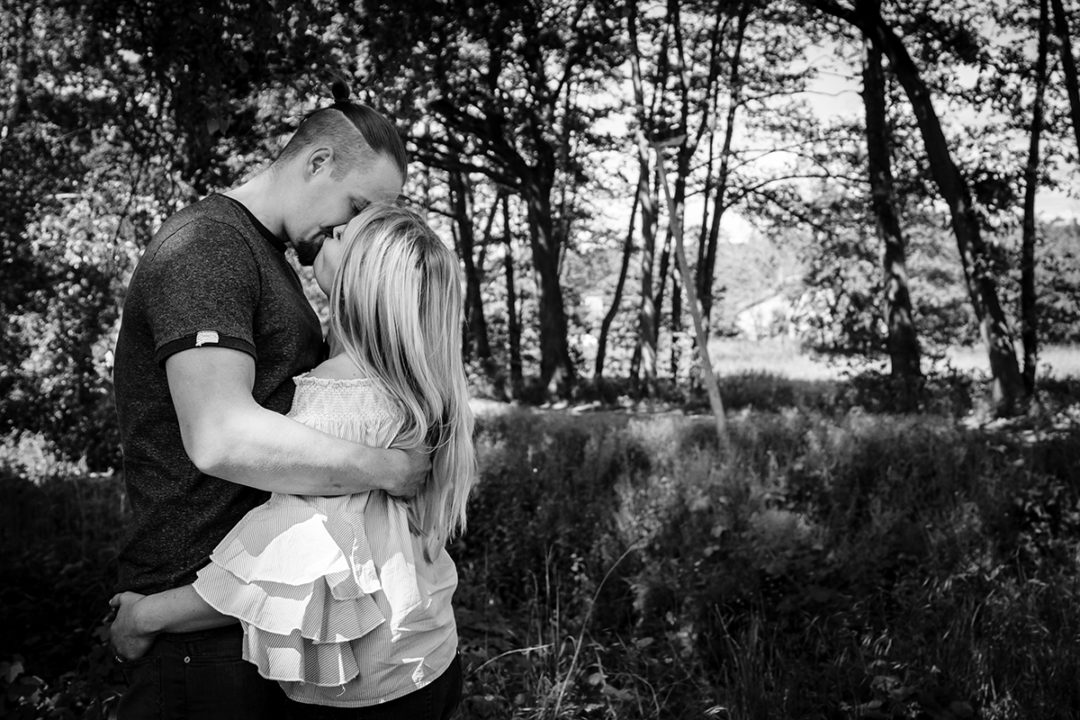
776,356
1054,361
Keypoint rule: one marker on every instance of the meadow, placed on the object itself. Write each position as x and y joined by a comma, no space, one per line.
825,560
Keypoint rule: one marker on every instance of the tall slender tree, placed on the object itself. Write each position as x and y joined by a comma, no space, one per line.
718,188
903,344
616,300
648,200
513,318
1028,297
476,340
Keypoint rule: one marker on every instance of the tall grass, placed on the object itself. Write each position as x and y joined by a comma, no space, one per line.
865,566
822,564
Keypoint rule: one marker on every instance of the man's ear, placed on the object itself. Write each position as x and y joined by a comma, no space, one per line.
319,161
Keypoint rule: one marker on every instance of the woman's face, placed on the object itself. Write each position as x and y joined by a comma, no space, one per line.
329,258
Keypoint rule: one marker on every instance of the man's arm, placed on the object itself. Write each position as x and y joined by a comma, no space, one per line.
228,435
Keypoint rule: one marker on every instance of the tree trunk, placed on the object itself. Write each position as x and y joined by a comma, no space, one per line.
1028,311
712,387
903,343
476,336
1007,384
706,270
1068,64
663,271
609,316
556,367
513,322
647,320
476,340
676,326
645,351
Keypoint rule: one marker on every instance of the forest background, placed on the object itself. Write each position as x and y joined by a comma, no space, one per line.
862,216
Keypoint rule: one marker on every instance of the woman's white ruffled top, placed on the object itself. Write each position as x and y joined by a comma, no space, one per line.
334,595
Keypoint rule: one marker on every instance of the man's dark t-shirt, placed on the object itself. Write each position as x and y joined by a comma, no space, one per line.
212,276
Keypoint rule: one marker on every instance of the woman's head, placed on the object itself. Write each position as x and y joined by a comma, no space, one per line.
396,290
396,311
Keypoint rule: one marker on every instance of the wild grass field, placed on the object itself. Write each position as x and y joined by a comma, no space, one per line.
825,561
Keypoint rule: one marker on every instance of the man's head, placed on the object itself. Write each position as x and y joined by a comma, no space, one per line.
339,160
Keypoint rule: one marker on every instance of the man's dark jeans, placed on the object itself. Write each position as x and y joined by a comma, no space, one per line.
199,675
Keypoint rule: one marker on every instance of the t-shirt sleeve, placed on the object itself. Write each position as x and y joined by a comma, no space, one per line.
202,290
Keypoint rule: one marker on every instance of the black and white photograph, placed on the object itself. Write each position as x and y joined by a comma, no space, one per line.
540,360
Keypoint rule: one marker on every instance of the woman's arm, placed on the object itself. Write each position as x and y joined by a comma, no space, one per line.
139,618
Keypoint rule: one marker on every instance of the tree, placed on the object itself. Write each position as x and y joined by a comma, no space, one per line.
903,345
616,301
1028,314
513,319
209,68
1007,385
647,199
68,185
675,223
719,188
508,81
475,338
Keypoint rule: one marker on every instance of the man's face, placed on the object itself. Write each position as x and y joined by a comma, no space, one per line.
329,202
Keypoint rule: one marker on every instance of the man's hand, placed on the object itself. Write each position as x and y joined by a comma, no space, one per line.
129,640
413,470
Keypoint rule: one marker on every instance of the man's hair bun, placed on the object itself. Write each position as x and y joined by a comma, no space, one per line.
340,91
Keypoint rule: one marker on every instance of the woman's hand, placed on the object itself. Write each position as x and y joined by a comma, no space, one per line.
129,637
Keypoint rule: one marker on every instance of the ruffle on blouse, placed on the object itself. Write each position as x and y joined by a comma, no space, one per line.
299,574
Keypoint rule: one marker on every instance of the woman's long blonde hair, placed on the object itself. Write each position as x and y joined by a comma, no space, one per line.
396,311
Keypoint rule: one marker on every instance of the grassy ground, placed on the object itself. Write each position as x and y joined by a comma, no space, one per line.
824,561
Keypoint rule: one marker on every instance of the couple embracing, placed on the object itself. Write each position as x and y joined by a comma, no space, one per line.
292,497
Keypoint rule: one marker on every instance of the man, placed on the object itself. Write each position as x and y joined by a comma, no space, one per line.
215,325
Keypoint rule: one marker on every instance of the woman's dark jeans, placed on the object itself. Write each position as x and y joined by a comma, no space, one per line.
436,701
198,675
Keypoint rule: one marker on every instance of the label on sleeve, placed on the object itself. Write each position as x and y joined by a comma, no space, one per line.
207,337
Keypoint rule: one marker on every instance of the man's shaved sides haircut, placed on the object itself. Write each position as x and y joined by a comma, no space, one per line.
355,132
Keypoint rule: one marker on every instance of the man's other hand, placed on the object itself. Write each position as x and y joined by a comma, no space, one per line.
413,470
